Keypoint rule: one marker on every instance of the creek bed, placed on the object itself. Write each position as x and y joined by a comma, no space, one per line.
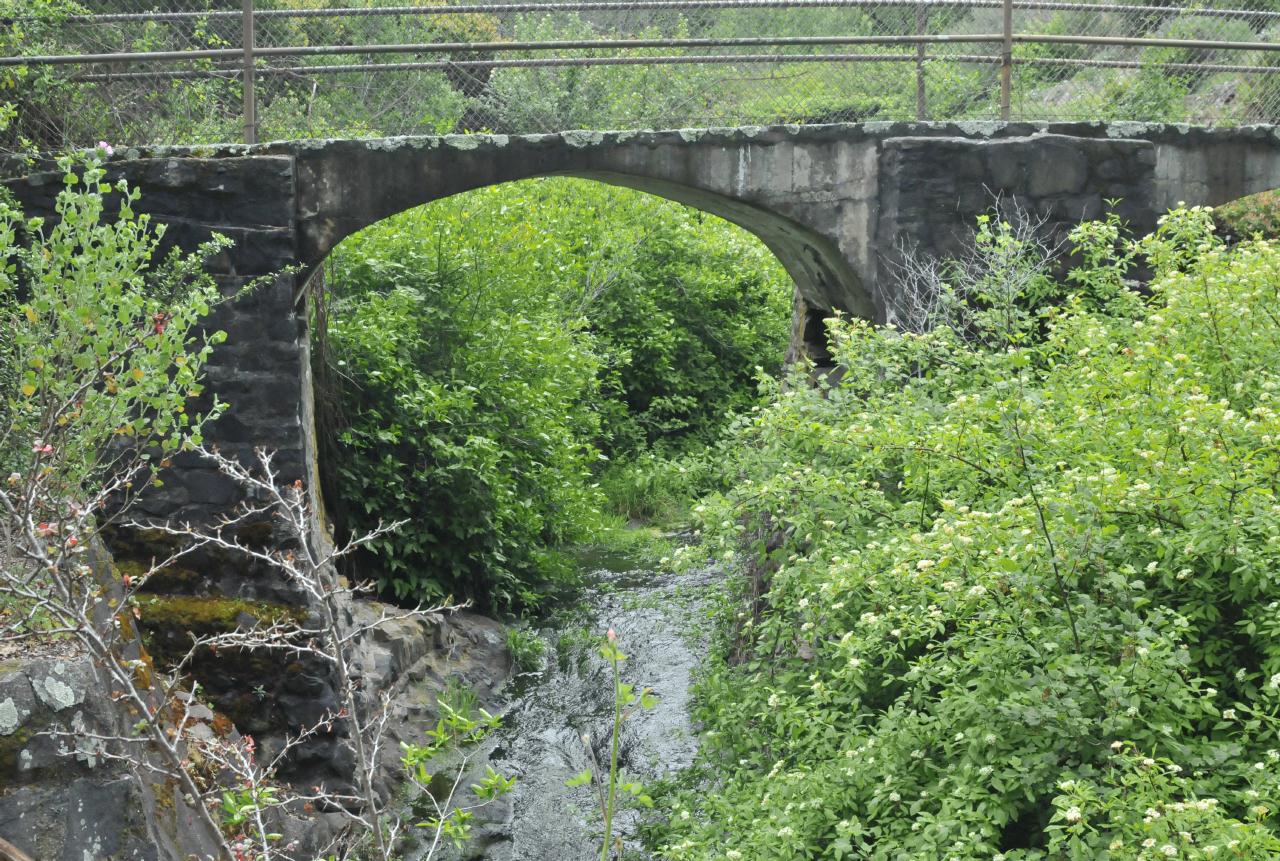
661,620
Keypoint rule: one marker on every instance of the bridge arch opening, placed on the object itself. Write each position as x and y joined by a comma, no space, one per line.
811,202
484,351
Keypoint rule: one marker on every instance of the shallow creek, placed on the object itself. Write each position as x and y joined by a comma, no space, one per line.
661,623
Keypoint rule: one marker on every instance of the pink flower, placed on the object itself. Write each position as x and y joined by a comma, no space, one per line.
42,447
612,635
106,148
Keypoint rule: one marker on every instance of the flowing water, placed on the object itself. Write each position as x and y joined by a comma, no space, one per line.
661,622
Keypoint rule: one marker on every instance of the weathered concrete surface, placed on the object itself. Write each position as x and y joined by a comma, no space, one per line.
810,199
833,202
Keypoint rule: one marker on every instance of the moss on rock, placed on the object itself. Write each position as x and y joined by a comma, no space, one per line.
171,578
168,620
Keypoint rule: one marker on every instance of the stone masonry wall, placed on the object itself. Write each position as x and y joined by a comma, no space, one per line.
258,371
833,202
933,189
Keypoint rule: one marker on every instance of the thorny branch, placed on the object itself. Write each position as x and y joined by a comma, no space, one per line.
53,580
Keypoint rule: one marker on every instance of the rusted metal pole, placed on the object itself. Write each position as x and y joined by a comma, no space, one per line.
921,17
247,40
1006,62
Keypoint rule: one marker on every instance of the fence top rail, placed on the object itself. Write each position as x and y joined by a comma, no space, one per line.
230,73
625,44
675,5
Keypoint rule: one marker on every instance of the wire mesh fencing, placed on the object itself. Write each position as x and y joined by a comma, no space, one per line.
174,71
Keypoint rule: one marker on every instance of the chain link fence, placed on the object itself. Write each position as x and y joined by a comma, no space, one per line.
173,71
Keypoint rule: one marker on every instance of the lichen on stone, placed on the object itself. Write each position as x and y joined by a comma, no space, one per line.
1127,129
978,128
55,693
10,720
580,139
88,748
463,142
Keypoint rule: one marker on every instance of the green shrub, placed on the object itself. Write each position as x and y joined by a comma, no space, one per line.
527,649
1198,28
1150,94
96,351
659,488
461,395
101,357
486,346
692,315
1012,603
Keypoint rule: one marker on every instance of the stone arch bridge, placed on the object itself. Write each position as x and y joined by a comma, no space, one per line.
835,204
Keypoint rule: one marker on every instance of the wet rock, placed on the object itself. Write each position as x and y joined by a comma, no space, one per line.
410,663
547,714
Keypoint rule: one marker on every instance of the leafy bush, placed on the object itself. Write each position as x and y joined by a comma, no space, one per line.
101,356
694,311
98,351
1012,603
1149,93
486,345
1196,28
461,400
650,487
576,97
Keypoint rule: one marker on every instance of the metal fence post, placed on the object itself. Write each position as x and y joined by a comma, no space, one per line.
247,40
1006,61
921,112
